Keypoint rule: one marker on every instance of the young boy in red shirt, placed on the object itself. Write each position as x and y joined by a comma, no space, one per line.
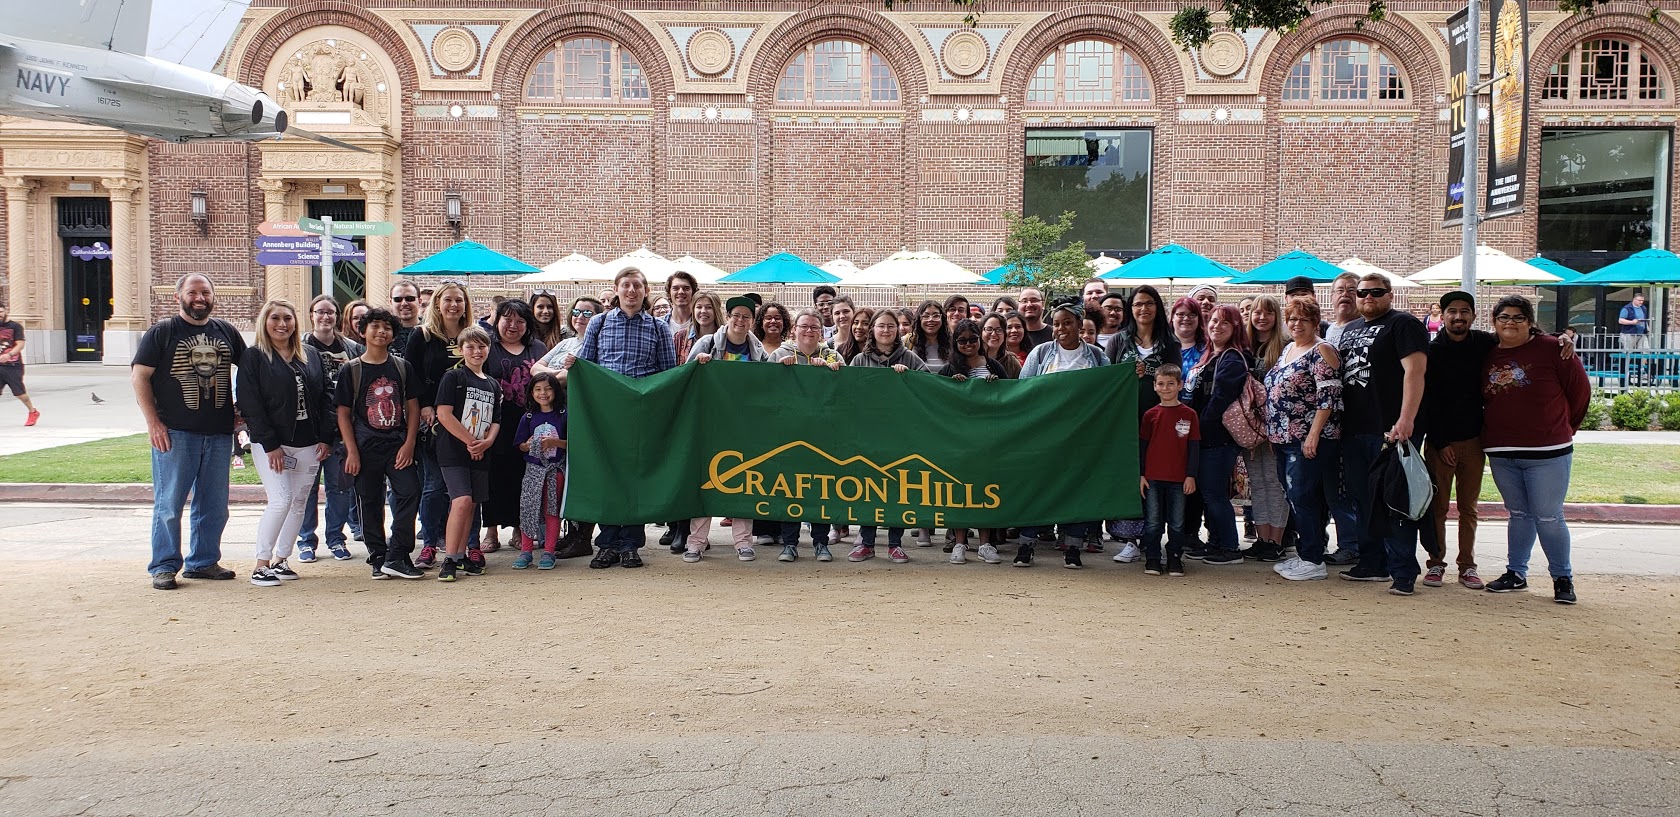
1169,447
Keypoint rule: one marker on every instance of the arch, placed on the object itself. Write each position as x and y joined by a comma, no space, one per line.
830,22
266,43
1419,62
1617,20
1377,59
1129,31
540,34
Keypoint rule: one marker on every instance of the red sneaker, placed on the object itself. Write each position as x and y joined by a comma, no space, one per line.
33,416
861,552
898,555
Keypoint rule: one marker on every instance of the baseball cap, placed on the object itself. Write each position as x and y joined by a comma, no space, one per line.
1457,295
1298,284
739,300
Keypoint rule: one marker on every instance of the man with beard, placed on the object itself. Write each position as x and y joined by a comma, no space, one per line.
182,375
405,304
1384,356
1032,311
1344,309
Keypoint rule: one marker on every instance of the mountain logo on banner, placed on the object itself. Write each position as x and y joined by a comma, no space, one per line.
795,476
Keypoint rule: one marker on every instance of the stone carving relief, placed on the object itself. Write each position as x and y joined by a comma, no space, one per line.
1224,54
335,75
455,49
965,53
710,52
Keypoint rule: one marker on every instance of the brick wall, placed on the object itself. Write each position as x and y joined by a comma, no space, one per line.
712,193
1346,190
837,191
223,251
583,187
970,176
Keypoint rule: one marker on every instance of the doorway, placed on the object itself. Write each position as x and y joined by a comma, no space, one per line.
349,277
84,231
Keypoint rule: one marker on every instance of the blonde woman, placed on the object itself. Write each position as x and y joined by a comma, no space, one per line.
1268,505
432,350
283,396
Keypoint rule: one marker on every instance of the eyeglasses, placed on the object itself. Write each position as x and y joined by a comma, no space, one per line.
825,302
1186,315
331,313
579,313
1371,293
1510,317
403,299
805,327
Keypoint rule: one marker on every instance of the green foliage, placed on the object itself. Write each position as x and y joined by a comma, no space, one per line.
1031,249
1632,410
1598,410
1668,412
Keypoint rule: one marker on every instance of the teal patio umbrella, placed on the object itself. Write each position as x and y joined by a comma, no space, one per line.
1567,275
467,258
1289,265
1651,267
1168,265
781,268
996,276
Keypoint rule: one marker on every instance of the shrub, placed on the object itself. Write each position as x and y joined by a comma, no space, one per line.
1598,410
1668,412
1632,410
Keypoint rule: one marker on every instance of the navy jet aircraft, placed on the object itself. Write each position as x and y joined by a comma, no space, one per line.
84,61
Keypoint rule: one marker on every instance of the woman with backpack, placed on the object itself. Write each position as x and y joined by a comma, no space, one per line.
1219,379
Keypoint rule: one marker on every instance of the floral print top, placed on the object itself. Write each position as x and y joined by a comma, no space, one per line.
1295,391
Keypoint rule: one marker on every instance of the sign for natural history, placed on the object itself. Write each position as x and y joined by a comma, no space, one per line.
854,446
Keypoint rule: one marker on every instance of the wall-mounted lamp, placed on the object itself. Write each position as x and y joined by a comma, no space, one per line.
201,211
452,212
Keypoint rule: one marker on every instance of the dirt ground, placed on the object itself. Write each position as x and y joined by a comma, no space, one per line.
95,660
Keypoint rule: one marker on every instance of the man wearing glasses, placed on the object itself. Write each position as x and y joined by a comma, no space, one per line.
405,304
1384,355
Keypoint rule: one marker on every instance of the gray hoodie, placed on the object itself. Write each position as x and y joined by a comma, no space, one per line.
713,345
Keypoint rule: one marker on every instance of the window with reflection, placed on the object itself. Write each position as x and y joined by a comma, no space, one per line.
587,70
1345,72
837,72
1102,175
1089,72
1606,69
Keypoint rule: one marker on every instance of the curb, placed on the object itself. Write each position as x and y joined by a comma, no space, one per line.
130,493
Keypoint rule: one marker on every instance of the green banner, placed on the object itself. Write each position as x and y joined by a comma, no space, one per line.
854,446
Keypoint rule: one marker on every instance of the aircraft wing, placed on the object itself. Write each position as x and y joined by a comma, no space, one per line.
155,90
111,25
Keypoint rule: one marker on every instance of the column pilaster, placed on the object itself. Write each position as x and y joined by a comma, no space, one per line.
379,255
280,282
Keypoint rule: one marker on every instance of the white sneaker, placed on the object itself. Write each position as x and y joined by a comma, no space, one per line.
989,554
959,554
923,539
1128,554
764,540
1286,565
1303,571
835,537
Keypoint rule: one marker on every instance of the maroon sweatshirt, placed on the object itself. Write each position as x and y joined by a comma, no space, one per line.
1535,400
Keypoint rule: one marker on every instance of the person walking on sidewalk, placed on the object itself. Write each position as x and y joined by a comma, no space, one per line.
11,362
183,380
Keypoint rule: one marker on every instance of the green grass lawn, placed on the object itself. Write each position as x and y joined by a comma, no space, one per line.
1633,474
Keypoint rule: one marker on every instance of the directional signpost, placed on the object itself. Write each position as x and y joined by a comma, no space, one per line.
295,243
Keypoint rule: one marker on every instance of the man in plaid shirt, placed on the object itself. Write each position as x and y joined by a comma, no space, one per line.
631,341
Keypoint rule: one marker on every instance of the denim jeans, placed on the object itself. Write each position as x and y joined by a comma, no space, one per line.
1213,483
1344,512
1398,548
895,536
1303,484
341,504
622,538
1163,509
434,498
196,463
1533,492
790,534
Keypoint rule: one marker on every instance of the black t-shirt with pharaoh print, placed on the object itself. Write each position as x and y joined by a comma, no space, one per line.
192,373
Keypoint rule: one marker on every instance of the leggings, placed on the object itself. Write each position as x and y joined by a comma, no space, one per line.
289,491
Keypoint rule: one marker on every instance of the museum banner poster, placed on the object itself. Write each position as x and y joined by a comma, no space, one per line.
1458,86
851,446
1508,113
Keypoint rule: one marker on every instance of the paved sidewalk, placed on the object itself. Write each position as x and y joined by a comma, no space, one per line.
64,394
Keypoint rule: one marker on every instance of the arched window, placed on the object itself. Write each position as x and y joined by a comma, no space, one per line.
1089,72
1343,72
837,72
1606,69
587,70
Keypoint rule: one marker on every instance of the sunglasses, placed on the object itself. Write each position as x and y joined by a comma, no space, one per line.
969,339
578,313
403,299
1371,293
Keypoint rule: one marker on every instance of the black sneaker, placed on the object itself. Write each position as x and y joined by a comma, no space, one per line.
471,568
1267,552
164,581
264,577
1196,550
283,571
379,574
399,570
446,571
1046,535
668,538
1400,588
1563,590
1357,575
1070,557
1023,556
1151,568
1175,566
1221,556
216,572
1341,558
1508,582
604,559
631,559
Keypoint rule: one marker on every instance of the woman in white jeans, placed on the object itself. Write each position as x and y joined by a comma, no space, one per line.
282,394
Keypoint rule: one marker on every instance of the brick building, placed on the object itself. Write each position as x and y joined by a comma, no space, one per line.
731,129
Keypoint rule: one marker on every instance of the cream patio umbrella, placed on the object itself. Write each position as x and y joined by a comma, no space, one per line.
703,272
1102,264
1359,266
906,268
655,267
841,267
1492,267
574,267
